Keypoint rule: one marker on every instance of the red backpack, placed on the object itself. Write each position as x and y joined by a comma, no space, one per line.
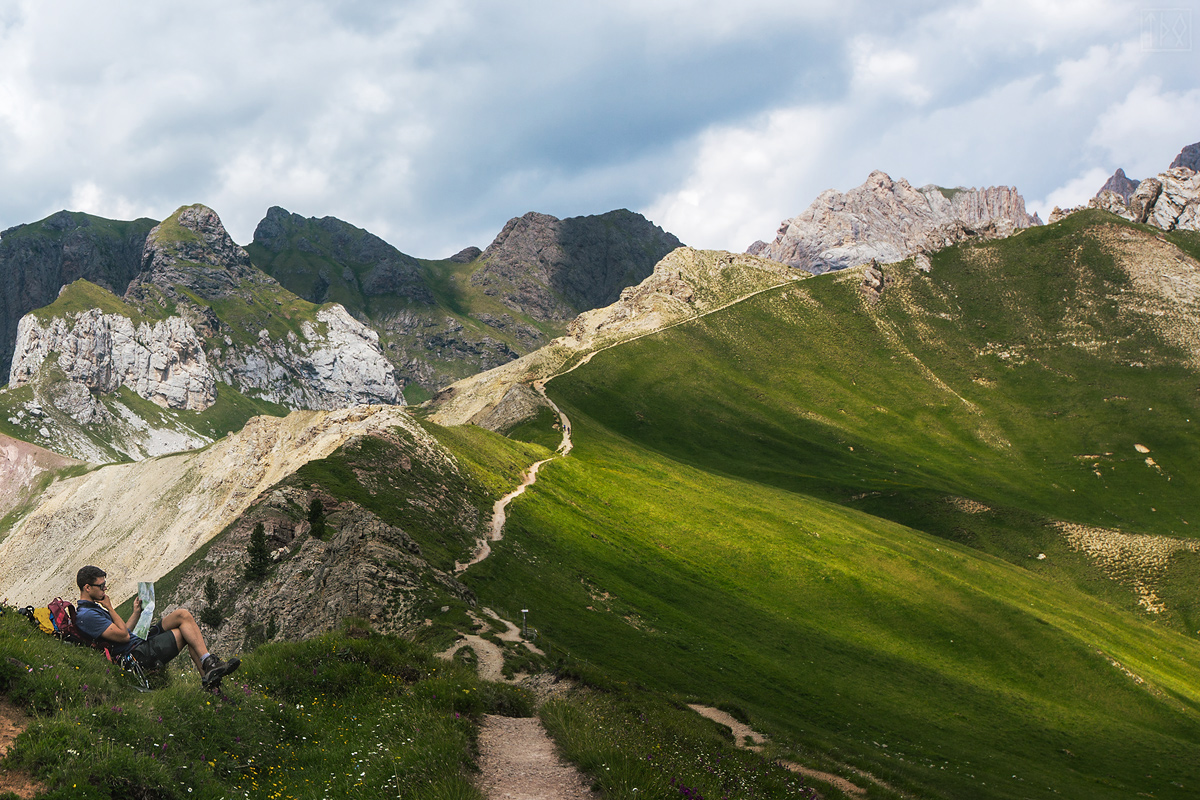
62,616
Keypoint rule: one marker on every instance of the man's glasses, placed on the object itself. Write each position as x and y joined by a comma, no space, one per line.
100,586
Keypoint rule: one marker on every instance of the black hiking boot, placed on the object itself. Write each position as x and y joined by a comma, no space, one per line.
213,669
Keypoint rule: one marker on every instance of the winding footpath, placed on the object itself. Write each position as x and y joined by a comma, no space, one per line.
483,547
517,757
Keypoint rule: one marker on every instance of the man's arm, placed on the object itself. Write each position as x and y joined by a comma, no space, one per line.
118,631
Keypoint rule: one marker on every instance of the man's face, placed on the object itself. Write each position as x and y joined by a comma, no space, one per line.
96,591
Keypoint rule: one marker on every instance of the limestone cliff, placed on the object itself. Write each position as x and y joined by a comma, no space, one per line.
196,315
163,361
888,221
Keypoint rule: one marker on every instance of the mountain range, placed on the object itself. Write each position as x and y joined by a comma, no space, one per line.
919,506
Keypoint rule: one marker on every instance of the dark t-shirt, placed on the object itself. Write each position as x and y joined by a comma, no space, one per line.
93,620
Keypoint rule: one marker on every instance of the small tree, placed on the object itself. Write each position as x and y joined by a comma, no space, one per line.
316,518
211,591
260,557
210,615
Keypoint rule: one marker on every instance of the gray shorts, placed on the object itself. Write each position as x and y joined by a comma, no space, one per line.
157,650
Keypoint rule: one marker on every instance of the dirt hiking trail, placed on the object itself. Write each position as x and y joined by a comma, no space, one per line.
747,738
517,761
517,758
12,722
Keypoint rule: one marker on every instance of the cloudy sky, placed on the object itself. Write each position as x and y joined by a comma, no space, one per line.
432,122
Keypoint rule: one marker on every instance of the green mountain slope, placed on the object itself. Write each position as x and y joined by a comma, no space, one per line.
854,518
441,320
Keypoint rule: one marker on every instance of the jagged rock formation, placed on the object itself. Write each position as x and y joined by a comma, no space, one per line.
40,258
191,249
143,519
889,221
685,284
552,269
1170,200
1120,185
337,359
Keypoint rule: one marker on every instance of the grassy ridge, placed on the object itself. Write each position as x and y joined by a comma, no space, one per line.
708,533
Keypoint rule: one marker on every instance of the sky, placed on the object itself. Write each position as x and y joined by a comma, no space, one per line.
433,122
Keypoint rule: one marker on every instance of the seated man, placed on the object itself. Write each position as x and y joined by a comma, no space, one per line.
96,620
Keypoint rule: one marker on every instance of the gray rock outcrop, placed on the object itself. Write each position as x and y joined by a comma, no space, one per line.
163,361
192,249
337,363
888,221
1169,201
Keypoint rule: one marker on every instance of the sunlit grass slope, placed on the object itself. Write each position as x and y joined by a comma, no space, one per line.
842,633
830,512
1013,374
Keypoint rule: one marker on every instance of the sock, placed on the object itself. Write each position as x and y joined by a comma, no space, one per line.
206,655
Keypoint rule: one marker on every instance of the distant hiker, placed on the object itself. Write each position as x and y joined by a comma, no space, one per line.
97,620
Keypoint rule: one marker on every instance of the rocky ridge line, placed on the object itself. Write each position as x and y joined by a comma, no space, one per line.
887,221
685,284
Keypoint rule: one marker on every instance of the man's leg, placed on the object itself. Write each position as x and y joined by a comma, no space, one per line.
183,625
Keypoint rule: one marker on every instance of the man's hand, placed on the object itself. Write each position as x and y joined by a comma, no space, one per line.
137,608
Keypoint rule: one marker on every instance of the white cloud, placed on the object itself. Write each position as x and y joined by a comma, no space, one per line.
1146,128
744,176
89,198
879,72
1075,192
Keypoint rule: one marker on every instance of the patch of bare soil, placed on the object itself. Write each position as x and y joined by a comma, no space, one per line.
1134,558
12,722
517,761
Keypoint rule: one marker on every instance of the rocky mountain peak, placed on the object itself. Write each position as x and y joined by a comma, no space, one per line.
191,248
1120,185
888,220
1170,200
1188,157
552,269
